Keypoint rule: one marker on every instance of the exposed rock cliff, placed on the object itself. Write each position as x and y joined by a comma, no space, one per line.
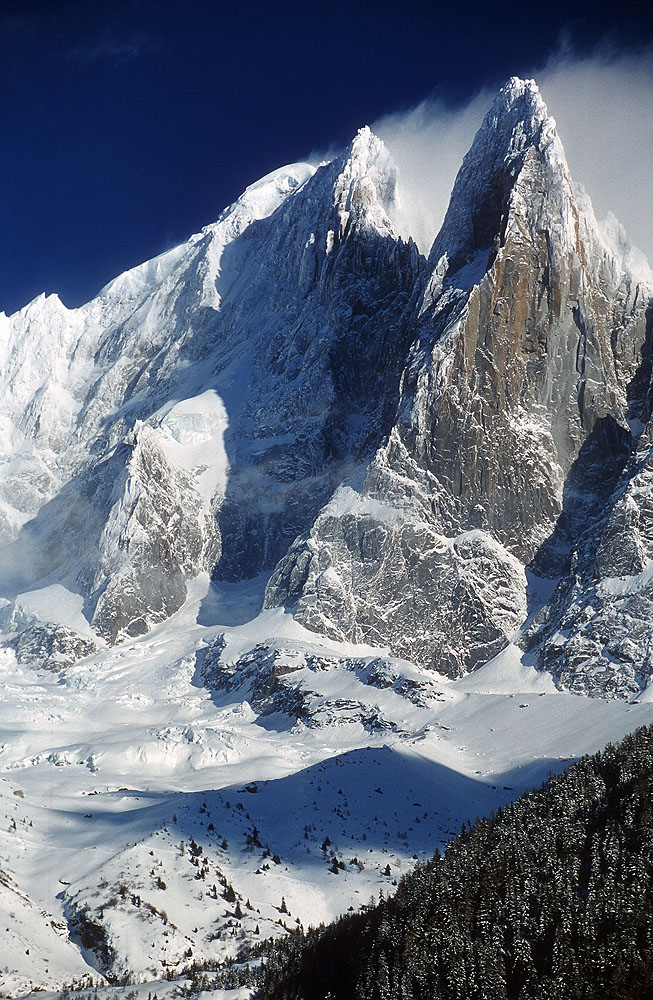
517,394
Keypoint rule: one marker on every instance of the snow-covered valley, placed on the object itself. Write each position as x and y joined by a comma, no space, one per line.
133,798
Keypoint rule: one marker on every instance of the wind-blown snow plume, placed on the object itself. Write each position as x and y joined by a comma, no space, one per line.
603,106
428,143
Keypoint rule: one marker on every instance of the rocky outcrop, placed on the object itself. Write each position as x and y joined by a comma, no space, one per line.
156,536
287,679
50,647
595,634
368,572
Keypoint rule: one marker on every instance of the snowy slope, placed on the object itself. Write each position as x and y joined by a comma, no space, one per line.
89,428
108,805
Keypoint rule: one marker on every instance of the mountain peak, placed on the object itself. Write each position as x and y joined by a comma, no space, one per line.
365,149
366,182
518,91
517,121
518,115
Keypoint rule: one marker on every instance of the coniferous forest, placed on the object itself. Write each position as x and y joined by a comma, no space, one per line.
549,899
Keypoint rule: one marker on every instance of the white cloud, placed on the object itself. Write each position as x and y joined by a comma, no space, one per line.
603,106
428,143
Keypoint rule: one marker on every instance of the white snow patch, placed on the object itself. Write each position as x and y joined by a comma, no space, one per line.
506,673
194,440
347,501
58,605
620,586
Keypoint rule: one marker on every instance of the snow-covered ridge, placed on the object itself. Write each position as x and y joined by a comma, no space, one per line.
203,320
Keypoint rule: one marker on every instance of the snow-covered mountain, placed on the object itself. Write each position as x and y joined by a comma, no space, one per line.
196,415
523,415
298,525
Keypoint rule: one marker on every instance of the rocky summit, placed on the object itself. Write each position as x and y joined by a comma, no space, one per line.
520,430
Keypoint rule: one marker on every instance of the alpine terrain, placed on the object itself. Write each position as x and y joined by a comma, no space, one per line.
314,547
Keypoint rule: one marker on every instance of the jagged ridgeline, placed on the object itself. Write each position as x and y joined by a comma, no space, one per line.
405,445
551,899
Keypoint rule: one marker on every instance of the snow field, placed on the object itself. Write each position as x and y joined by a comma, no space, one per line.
179,820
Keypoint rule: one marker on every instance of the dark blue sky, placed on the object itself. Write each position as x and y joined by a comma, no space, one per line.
128,126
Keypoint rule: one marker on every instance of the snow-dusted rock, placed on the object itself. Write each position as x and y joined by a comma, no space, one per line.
51,647
514,419
285,678
365,573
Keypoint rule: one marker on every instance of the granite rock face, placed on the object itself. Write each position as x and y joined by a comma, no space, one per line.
514,421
